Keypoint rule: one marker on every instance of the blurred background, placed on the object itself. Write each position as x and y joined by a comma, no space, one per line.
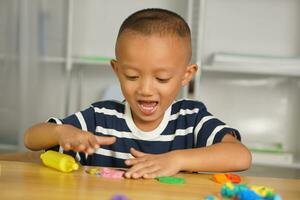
54,61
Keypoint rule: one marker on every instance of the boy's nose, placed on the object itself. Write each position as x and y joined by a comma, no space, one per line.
146,88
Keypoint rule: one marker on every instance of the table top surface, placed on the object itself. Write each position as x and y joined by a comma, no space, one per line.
19,180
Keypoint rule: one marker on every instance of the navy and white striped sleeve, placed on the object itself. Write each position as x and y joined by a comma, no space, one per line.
84,120
210,130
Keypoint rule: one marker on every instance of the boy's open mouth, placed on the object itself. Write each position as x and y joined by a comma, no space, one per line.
148,107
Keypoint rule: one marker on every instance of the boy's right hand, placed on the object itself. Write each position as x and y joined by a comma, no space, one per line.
72,138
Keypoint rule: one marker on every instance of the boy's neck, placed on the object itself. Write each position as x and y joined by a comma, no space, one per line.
147,126
155,126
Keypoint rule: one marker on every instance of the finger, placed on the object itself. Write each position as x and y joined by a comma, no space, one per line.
156,173
152,175
134,161
135,168
104,140
136,153
93,142
161,172
66,146
136,175
89,151
130,162
80,148
144,172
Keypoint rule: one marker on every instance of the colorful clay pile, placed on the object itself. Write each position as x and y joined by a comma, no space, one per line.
245,192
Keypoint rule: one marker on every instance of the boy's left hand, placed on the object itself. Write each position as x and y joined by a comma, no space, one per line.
152,165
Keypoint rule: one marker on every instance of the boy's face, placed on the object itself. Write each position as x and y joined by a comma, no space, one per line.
151,71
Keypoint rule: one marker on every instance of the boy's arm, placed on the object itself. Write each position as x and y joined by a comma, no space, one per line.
41,136
47,135
228,155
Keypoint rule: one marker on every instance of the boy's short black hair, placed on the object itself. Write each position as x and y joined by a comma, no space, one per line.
156,21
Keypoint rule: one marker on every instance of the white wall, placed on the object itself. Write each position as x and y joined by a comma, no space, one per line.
101,20
264,108
255,27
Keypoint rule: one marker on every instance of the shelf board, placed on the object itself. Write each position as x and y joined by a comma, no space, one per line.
75,61
8,147
287,70
81,61
254,64
285,160
293,165
254,69
4,57
49,59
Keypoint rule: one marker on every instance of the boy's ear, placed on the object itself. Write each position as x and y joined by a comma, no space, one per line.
190,71
113,64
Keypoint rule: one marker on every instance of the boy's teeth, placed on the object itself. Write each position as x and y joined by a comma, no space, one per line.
148,104
148,107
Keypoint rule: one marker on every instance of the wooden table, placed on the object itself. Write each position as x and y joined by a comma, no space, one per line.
19,180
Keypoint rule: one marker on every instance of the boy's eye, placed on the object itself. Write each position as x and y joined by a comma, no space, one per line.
131,77
163,80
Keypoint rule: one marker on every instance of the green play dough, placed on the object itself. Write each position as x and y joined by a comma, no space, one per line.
170,180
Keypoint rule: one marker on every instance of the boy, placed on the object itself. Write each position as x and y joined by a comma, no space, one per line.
149,132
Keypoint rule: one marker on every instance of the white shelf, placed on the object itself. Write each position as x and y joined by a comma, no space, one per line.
89,62
8,147
284,160
9,58
293,165
254,69
236,63
60,60
74,61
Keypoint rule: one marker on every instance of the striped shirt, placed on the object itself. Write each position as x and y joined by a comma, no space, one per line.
186,124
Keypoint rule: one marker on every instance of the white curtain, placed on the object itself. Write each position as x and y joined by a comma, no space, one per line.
31,86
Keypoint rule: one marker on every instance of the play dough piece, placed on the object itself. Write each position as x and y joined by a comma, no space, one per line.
170,180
